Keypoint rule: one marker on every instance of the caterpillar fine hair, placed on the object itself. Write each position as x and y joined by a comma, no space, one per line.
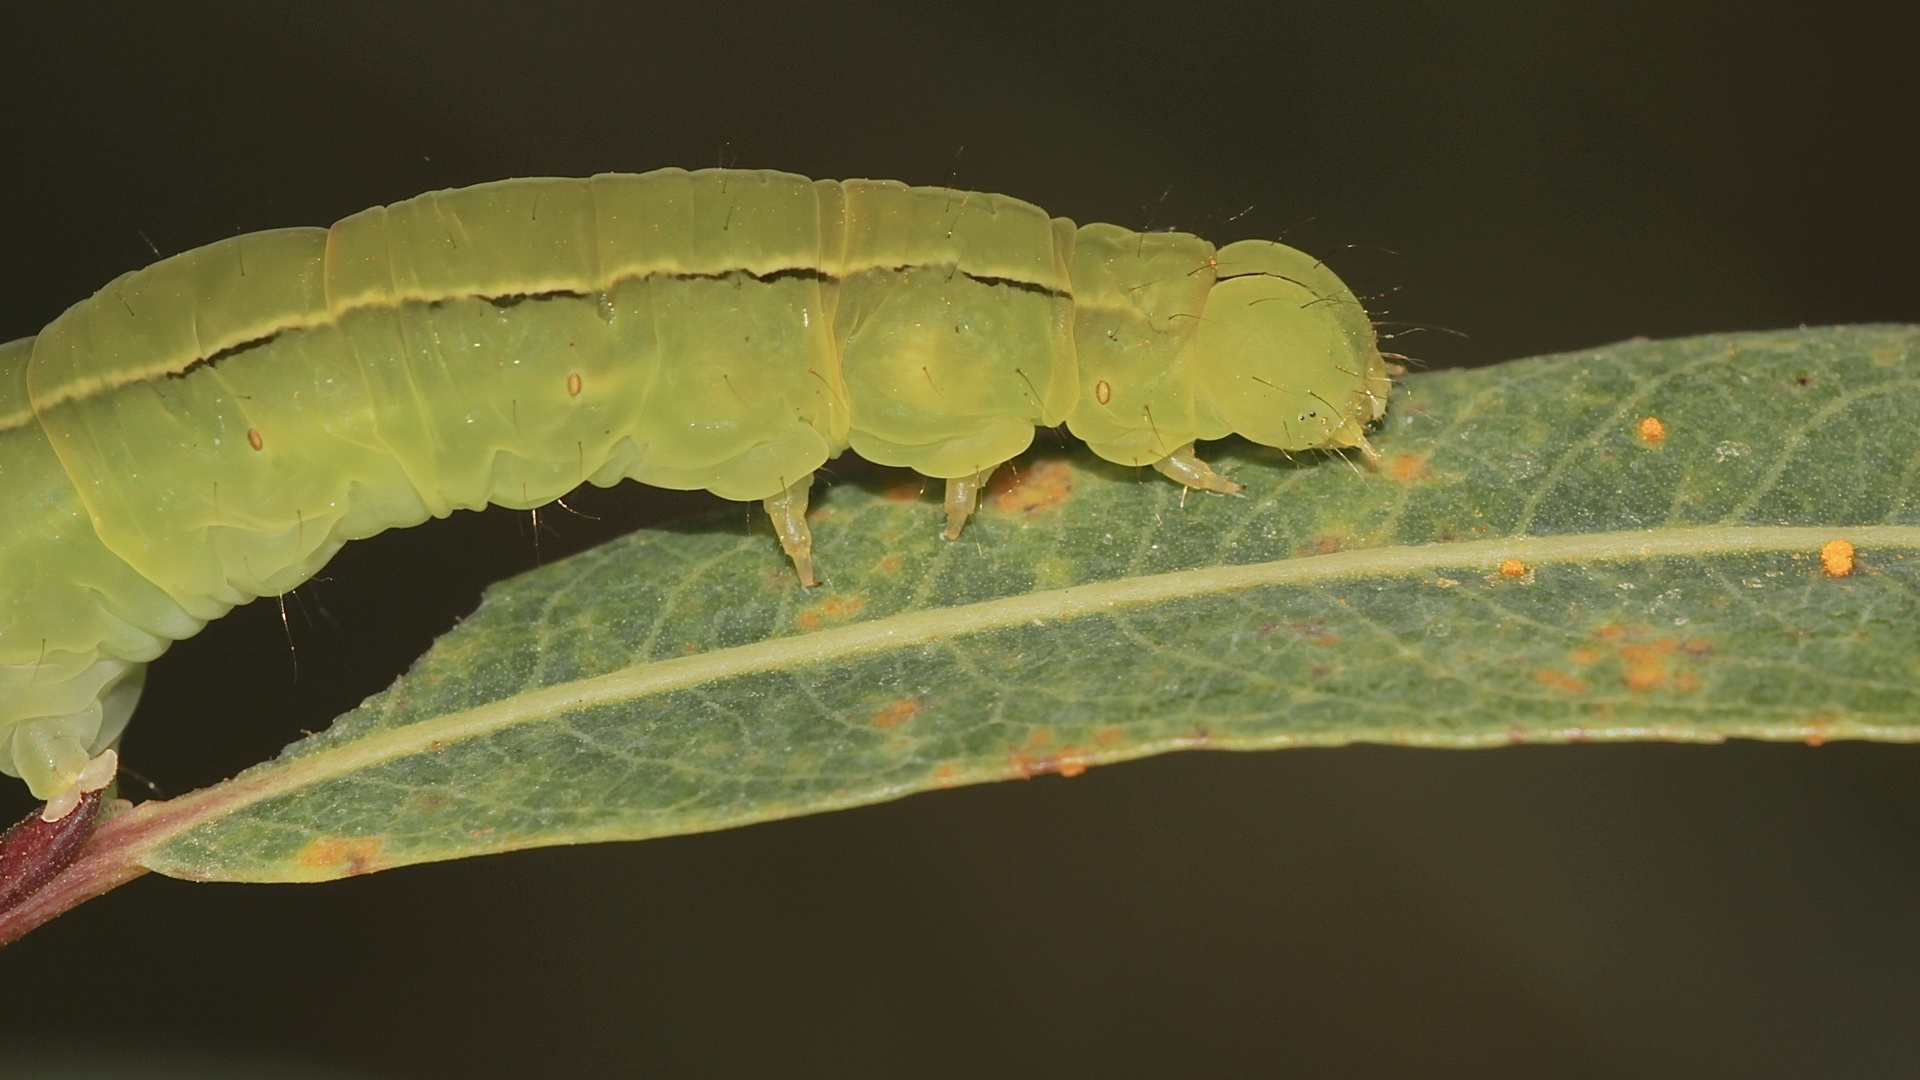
212,428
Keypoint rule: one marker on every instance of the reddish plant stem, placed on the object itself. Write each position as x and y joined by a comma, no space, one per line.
49,868
35,850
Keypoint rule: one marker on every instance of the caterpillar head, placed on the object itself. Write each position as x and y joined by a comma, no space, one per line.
1285,354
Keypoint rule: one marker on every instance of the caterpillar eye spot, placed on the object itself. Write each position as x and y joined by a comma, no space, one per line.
712,372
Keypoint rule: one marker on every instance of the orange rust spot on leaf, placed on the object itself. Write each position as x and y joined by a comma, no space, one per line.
1644,677
1068,762
1043,486
1108,736
1645,667
1409,468
1660,646
946,776
831,608
1648,663
1836,558
1513,568
897,713
889,565
1559,680
1652,431
903,493
1324,544
1039,737
357,855
1820,728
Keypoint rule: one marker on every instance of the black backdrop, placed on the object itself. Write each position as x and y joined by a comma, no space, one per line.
1545,178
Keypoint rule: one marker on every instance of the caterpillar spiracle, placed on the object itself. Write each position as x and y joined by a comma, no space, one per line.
213,427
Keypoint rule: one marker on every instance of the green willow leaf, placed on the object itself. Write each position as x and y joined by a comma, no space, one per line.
1621,543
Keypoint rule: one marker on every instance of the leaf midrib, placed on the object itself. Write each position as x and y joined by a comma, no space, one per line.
928,625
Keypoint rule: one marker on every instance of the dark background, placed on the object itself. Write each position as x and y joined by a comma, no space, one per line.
1545,177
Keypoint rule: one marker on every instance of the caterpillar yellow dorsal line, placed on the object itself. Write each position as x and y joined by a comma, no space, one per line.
213,427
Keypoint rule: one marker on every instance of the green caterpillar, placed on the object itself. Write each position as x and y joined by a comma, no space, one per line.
212,428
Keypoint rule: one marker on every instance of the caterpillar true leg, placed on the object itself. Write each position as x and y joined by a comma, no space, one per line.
1191,472
963,494
789,513
98,773
1368,452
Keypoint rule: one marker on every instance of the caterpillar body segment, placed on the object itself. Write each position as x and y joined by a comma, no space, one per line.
1292,383
213,427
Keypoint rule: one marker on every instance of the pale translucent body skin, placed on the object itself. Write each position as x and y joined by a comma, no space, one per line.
213,427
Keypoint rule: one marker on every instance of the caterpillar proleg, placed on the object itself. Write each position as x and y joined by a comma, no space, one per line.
213,427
